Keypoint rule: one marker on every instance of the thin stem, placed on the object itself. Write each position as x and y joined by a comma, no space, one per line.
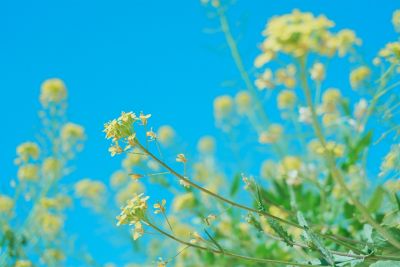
224,252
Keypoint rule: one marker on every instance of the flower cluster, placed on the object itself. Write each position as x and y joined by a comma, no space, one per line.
53,91
299,33
134,213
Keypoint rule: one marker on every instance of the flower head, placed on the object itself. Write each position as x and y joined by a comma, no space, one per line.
53,91
27,151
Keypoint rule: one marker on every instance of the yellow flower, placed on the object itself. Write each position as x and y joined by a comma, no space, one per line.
51,224
51,166
223,107
391,52
166,135
291,163
299,33
181,158
90,190
358,76
268,169
52,256
286,99
272,135
128,191
59,202
6,204
391,160
396,20
131,160
329,119
286,76
318,72
27,151
71,131
160,207
330,99
53,91
331,147
183,201
266,80
206,144
243,102
23,263
28,172
118,178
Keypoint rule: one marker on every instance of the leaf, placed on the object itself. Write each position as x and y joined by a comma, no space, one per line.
235,184
376,200
397,200
279,230
312,238
386,264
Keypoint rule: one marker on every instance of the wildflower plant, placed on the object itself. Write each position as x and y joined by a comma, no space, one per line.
314,199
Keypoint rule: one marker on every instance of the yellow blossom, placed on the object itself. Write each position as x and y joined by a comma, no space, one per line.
27,151
166,135
51,166
181,158
128,191
51,256
28,172
183,201
206,144
53,91
396,20
223,107
391,52
90,190
51,224
330,99
72,132
329,119
272,135
286,99
268,169
358,76
118,178
6,204
331,147
23,263
58,202
243,102
318,72
266,80
290,163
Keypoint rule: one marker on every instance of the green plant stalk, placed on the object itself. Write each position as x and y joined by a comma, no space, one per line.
227,253
332,165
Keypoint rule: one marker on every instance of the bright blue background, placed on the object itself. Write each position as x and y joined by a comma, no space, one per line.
137,55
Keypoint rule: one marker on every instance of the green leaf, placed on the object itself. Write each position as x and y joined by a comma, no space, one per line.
397,200
235,184
312,238
386,264
279,230
376,200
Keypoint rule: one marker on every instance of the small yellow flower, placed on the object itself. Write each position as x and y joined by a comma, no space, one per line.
118,178
329,119
396,20
23,263
90,190
28,172
183,201
206,144
359,76
223,107
53,91
72,132
51,166
6,204
51,224
126,192
318,72
243,102
166,135
330,99
27,151
144,118
272,135
160,207
286,99
181,158
290,163
266,80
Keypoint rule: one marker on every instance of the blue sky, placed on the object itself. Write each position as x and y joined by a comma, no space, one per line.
138,55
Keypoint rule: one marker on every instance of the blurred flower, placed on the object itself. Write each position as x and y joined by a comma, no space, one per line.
243,102
183,201
286,76
58,202
396,20
290,163
28,172
391,52
51,166
272,135
305,115
91,191
50,224
27,151
318,72
118,178
358,76
72,132
206,144
181,158
6,204
53,91
23,263
166,135
266,80
123,195
286,99
223,107
360,108
330,99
